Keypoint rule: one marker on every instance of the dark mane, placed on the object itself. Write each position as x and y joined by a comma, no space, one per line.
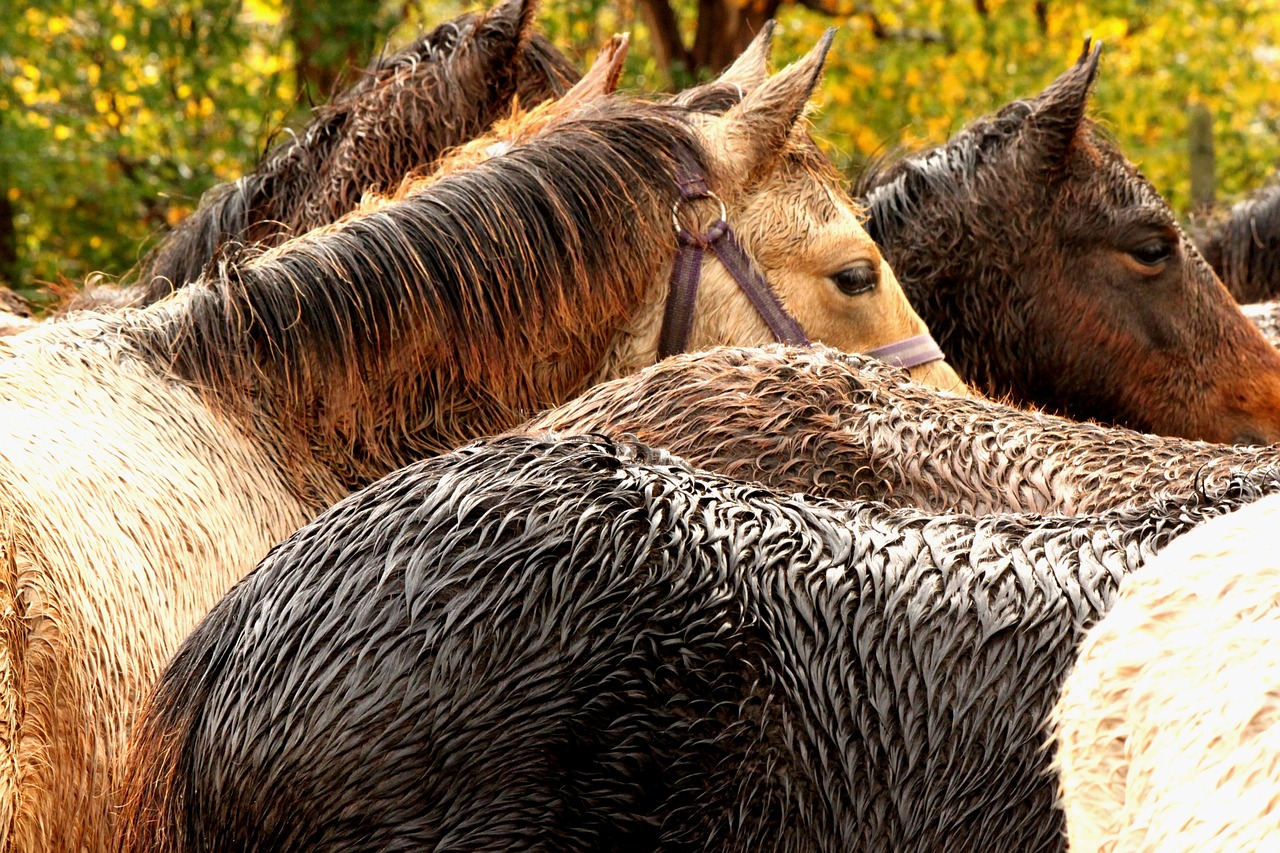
460,292
892,185
407,109
1243,246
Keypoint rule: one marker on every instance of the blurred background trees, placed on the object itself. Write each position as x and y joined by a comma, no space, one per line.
115,115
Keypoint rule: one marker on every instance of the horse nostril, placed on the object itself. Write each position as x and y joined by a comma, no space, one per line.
1248,438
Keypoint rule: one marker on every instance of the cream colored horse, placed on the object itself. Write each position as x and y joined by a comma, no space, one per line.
149,457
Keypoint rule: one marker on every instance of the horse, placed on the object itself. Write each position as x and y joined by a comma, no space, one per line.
149,457
1243,246
847,427
1168,726
408,109
16,312
588,644
1266,316
1053,274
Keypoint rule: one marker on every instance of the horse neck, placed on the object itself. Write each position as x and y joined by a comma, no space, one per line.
374,343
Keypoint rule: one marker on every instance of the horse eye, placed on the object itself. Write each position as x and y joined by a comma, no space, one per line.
1152,254
862,277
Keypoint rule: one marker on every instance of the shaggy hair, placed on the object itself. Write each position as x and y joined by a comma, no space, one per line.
1016,244
1243,247
402,114
824,422
591,645
1168,728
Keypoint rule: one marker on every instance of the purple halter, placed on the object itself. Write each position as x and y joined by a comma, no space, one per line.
686,272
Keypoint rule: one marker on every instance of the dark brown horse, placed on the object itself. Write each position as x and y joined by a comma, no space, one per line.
1051,272
408,108
1243,247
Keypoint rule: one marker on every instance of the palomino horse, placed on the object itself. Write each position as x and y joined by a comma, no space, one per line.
150,457
1243,247
1168,727
843,426
1053,274
589,645
408,108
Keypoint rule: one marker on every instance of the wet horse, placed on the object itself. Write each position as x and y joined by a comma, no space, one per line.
836,425
445,88
1168,726
590,645
1052,274
150,457
1243,246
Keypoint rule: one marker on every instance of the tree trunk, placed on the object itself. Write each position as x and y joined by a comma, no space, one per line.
1200,147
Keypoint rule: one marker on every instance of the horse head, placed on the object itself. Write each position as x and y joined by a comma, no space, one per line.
1055,274
790,214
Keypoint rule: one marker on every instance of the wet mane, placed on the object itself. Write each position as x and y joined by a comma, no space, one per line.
445,281
892,185
1243,246
408,107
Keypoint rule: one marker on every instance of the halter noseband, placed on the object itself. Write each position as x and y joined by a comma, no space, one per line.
686,272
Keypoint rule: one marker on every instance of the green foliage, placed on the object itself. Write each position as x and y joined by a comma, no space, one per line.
115,116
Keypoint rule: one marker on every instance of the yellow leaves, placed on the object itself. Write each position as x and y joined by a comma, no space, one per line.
61,132
118,42
93,73
31,73
866,140
101,103
176,213
184,91
57,25
95,242
14,194
1110,29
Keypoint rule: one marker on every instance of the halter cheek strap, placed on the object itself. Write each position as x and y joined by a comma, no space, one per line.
686,272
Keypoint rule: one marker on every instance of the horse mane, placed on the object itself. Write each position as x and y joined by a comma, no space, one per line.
470,284
1243,247
893,184
408,107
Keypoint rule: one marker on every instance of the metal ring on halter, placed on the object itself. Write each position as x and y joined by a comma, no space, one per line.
675,209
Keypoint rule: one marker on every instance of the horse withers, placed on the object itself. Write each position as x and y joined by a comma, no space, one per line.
149,458
1053,274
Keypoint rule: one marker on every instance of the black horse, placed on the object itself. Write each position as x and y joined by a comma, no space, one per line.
587,645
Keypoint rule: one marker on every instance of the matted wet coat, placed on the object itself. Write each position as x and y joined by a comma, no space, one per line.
589,645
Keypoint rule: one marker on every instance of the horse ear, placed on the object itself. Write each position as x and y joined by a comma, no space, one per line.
751,68
602,77
509,21
755,131
1058,111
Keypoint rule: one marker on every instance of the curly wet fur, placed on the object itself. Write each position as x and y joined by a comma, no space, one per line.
1243,246
587,644
1012,242
1168,728
402,114
827,423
